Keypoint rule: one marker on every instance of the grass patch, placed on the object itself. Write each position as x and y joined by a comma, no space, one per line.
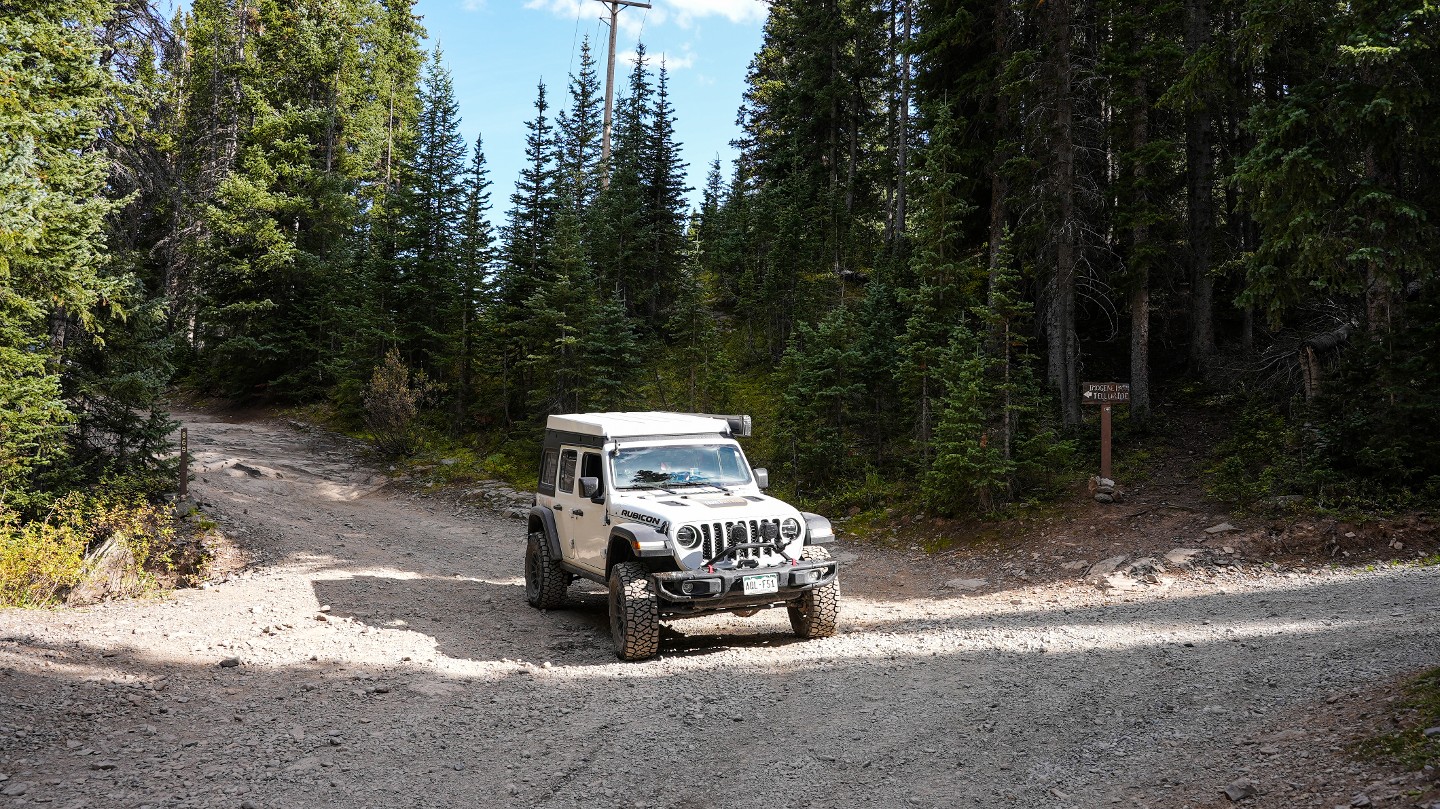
90,545
1417,710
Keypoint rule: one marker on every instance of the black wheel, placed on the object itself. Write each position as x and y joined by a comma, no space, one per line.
545,581
816,613
634,612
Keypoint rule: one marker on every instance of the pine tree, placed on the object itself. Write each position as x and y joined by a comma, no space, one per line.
433,298
52,260
578,134
475,259
524,261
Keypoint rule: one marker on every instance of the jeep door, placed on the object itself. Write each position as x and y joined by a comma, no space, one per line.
580,521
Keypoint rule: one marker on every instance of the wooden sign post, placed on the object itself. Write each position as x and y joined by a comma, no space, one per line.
184,463
1105,394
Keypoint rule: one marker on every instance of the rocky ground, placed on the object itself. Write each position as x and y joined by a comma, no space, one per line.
370,646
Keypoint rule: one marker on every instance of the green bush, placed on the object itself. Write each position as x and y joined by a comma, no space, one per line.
42,560
392,403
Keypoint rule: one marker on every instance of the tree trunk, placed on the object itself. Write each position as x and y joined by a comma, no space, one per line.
1200,168
902,146
1060,314
1140,240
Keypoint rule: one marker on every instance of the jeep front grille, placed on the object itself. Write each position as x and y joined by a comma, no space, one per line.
717,536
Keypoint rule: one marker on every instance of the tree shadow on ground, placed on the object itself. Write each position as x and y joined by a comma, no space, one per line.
993,707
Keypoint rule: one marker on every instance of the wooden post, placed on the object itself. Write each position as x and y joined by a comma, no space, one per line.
1105,441
614,7
184,463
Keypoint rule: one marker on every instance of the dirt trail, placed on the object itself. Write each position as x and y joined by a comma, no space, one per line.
386,657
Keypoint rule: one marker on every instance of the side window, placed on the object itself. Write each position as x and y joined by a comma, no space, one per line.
590,465
567,471
548,464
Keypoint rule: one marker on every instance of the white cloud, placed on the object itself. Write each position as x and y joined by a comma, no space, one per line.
673,62
736,11
685,12
560,8
632,20
474,5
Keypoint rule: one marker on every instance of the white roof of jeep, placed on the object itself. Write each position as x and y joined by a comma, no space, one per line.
622,425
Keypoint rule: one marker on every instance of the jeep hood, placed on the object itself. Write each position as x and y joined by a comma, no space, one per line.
664,511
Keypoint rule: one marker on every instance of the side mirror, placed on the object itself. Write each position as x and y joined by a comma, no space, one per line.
762,478
590,487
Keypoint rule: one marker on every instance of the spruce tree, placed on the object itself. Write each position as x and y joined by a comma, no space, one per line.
52,259
432,296
524,263
578,134
475,260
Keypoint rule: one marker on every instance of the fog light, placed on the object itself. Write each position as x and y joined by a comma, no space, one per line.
700,587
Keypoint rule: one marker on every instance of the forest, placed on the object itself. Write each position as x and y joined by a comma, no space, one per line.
945,215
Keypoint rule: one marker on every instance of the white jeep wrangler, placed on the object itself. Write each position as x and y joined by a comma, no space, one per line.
664,509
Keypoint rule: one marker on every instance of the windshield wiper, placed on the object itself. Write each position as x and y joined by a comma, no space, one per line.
659,486
724,489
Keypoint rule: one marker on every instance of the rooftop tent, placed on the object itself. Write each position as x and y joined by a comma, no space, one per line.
623,425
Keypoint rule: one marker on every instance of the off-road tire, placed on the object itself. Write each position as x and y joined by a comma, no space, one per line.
545,581
816,613
634,612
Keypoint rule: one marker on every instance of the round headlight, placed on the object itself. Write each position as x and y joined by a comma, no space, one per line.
688,536
790,529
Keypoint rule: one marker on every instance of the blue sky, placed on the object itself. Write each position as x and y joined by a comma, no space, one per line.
498,50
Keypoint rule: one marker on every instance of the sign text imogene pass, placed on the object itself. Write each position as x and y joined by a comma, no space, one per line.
1105,392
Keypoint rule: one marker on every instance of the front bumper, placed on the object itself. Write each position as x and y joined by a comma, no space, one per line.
705,590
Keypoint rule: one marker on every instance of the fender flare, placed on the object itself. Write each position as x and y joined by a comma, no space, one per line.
644,541
546,518
818,530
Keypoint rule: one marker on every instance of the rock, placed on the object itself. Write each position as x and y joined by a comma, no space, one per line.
103,765
1106,566
966,584
1221,528
1240,790
1078,564
1432,732
1103,497
1116,581
1181,557
249,805
229,662
449,461
1361,800
16,789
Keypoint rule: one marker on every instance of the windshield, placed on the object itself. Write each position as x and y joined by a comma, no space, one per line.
688,465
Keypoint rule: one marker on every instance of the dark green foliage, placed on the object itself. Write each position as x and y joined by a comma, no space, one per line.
823,420
1344,160
275,197
1264,457
1375,421
52,259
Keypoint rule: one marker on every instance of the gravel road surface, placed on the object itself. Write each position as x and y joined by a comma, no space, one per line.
377,651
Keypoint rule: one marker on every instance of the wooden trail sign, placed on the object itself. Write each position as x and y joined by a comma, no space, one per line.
1105,394
1099,393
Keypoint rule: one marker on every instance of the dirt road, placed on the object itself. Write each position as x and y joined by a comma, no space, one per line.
377,651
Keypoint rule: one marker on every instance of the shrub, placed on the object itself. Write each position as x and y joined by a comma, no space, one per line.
392,401
112,535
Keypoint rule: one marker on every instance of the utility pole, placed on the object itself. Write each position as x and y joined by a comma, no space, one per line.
614,7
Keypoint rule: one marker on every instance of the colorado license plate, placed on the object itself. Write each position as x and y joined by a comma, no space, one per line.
762,584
